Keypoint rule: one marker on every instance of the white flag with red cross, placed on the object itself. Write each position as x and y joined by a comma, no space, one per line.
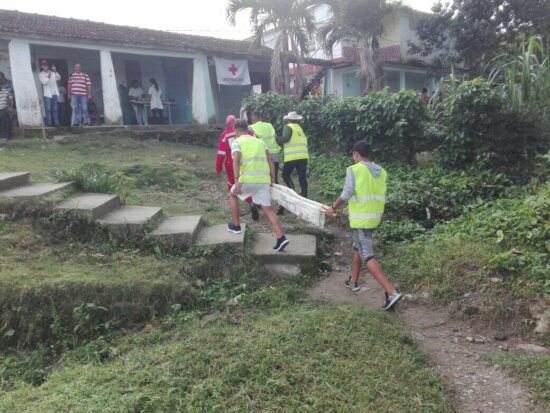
232,72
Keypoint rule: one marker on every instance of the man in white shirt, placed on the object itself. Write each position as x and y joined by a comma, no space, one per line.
49,78
135,95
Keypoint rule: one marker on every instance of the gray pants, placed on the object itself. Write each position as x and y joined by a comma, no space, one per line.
5,124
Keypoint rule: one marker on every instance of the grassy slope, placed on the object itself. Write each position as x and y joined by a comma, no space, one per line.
121,153
303,358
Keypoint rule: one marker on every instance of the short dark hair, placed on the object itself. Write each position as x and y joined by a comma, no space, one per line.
241,124
362,148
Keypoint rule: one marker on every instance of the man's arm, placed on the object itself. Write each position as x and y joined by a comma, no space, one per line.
271,166
237,170
287,134
347,193
89,86
44,78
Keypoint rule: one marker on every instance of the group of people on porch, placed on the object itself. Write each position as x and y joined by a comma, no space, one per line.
78,94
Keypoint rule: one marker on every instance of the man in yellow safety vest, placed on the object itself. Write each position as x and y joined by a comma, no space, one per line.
266,132
365,193
295,151
254,172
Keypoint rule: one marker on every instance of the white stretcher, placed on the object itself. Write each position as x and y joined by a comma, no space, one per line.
305,209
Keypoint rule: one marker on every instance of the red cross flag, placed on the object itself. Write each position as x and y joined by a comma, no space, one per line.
232,72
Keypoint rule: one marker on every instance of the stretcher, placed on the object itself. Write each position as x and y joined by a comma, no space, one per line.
305,209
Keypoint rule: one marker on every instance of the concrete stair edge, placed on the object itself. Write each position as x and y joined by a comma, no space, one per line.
10,180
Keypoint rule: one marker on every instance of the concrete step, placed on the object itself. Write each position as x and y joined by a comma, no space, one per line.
92,206
302,250
129,218
181,231
283,270
10,180
218,235
35,190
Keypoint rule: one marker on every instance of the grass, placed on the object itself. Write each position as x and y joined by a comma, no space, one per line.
301,358
164,174
534,371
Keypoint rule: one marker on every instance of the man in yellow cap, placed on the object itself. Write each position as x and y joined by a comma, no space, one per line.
254,172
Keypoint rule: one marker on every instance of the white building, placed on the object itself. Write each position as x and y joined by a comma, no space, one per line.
401,70
113,56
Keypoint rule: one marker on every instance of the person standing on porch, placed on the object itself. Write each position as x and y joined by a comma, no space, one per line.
295,152
49,78
157,107
6,105
80,91
135,94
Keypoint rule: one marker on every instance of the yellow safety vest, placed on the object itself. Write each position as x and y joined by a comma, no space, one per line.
366,206
296,148
254,167
266,132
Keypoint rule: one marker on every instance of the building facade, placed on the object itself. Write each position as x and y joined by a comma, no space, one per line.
113,56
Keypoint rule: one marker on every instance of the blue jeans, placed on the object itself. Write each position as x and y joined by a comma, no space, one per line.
80,110
138,109
50,106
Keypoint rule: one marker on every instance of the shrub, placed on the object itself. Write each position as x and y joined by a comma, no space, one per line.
393,123
272,106
95,179
479,126
314,122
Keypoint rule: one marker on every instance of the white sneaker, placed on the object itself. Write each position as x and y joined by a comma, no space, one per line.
392,300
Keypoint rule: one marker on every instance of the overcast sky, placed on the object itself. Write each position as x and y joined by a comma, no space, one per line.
201,17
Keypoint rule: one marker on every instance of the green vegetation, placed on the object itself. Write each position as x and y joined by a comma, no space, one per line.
534,371
302,357
149,173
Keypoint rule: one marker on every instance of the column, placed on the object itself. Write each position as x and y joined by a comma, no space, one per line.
203,101
29,112
402,80
111,99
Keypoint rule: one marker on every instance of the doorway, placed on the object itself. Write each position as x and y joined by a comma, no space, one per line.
133,72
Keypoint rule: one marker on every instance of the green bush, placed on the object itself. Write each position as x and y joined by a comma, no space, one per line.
272,106
480,126
393,123
314,122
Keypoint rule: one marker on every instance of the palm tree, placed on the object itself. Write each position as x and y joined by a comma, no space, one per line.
362,20
293,24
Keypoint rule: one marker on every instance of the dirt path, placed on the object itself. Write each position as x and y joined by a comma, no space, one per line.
477,386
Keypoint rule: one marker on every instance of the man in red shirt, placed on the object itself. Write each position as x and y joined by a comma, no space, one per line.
224,159
80,92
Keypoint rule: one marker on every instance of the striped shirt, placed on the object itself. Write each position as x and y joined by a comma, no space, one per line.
5,96
79,83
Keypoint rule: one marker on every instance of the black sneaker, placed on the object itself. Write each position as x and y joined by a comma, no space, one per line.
387,300
235,229
352,286
392,300
281,244
254,212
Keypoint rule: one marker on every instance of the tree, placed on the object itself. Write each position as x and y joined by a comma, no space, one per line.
293,25
474,32
362,20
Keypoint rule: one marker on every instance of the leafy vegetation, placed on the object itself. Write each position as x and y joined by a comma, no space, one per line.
209,364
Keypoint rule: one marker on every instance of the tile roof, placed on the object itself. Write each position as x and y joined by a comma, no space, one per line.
38,25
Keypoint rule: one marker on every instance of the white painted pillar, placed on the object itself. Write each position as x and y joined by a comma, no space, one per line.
29,112
111,99
203,101
402,80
